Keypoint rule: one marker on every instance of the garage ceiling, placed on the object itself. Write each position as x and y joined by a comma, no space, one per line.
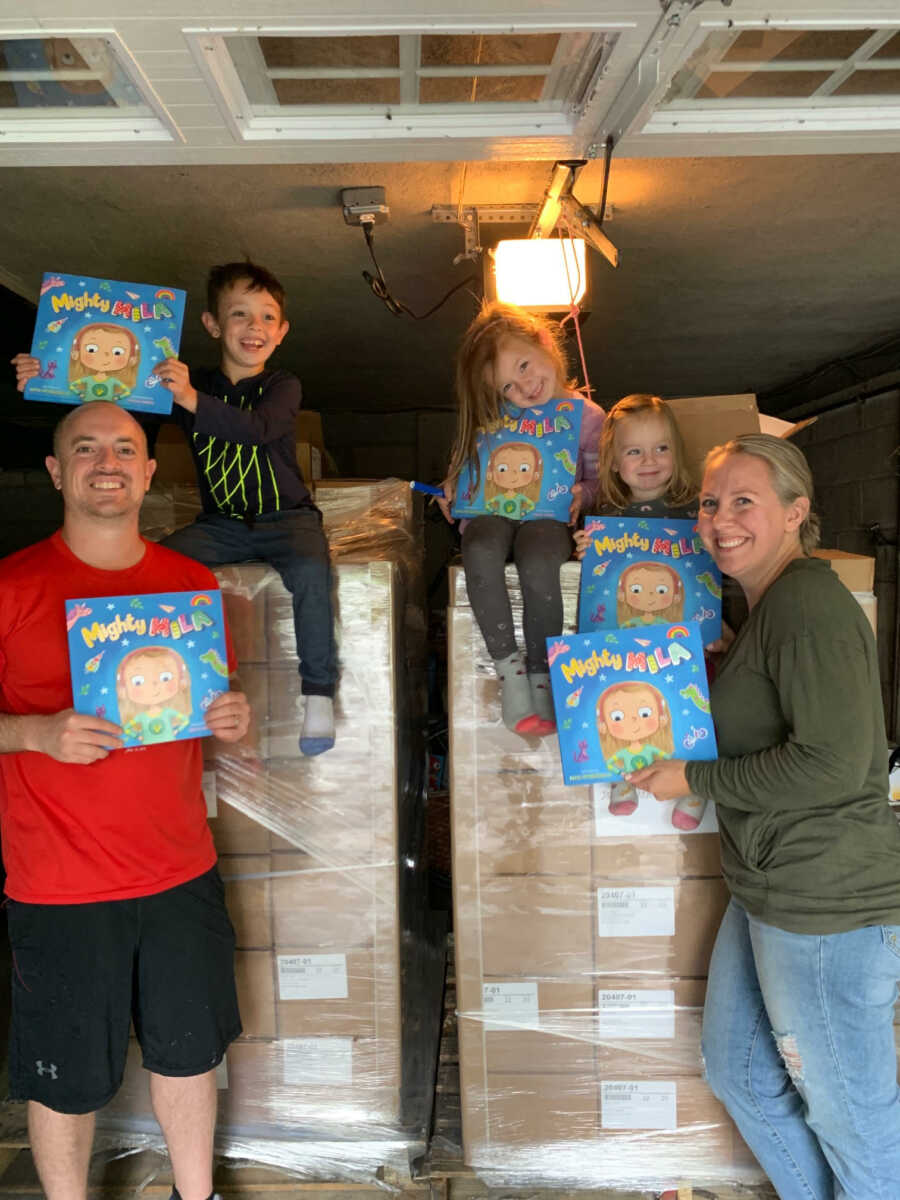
753,187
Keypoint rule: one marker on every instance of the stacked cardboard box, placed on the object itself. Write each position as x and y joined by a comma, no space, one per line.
580,962
320,860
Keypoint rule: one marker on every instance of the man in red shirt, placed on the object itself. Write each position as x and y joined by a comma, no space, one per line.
115,904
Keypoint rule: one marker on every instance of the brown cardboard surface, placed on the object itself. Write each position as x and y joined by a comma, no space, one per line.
528,1111
244,613
531,825
350,829
233,831
537,925
666,857
248,898
309,428
708,421
256,992
353,1014
309,460
699,907
315,906
855,571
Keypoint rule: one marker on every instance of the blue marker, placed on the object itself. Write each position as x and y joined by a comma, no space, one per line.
427,488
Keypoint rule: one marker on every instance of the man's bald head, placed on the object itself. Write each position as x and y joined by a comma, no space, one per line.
67,427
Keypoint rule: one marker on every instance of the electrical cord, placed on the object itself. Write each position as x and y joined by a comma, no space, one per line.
380,288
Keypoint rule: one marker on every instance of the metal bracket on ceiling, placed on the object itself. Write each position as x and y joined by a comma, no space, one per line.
472,216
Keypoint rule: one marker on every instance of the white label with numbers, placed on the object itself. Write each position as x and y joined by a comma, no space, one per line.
312,976
636,911
510,1005
222,1075
209,794
638,1104
636,1013
317,1061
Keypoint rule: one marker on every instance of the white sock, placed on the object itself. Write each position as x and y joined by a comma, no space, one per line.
515,690
542,696
317,734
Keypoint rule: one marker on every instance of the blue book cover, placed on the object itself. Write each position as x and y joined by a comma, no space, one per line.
152,664
526,465
99,339
625,698
642,571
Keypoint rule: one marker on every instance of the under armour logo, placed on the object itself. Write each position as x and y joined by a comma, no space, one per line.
50,1069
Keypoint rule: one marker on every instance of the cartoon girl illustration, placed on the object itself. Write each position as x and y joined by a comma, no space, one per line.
154,690
649,593
104,362
513,480
635,729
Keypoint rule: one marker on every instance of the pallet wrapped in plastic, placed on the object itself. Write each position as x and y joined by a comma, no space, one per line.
338,971
580,961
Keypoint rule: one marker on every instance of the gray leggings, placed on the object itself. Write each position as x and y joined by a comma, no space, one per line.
538,548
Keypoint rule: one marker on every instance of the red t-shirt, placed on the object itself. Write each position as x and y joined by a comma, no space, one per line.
129,825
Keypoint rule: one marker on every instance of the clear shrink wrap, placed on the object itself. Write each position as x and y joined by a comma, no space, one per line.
338,968
580,961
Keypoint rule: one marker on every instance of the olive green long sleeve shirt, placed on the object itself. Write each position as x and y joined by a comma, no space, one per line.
809,843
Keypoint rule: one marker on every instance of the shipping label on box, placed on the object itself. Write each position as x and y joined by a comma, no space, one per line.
510,1005
317,1061
638,1104
635,912
635,1013
312,977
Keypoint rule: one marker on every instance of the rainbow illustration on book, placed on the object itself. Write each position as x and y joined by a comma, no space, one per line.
642,571
152,664
99,339
526,465
627,698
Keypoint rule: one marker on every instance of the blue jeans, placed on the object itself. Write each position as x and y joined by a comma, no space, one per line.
798,1040
294,544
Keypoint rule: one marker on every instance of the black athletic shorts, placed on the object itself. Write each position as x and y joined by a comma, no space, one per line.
82,972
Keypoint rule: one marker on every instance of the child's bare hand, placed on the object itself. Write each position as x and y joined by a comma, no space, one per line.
176,376
582,541
575,506
27,367
445,502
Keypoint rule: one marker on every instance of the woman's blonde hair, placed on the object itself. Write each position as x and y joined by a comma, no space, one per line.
625,612
640,405
181,701
788,470
126,374
663,739
477,398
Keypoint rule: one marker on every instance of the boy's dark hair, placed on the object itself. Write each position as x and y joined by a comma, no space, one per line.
258,278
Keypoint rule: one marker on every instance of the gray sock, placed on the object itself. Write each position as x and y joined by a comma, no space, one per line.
515,690
542,696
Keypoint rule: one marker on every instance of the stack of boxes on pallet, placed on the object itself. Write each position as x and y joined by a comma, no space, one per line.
319,856
580,961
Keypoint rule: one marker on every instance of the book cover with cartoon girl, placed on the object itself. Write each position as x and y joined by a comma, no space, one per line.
153,663
625,698
644,571
526,465
99,339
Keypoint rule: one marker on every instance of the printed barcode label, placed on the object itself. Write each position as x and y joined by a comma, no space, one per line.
638,1104
636,911
317,1061
209,794
635,1013
510,1005
312,977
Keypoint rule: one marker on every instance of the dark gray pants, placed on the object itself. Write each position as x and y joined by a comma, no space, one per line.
538,548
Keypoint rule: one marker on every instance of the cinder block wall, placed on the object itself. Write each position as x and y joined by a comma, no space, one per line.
854,453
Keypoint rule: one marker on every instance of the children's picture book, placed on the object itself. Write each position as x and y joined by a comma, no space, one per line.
152,664
644,571
99,339
626,698
526,465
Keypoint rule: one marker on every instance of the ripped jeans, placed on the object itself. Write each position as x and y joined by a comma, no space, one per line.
799,1046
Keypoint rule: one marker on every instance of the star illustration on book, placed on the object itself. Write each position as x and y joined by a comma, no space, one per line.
669,678
125,642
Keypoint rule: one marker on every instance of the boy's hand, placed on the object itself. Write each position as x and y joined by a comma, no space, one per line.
27,367
575,506
177,378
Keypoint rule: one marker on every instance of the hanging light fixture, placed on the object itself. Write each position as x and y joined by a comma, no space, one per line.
549,274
